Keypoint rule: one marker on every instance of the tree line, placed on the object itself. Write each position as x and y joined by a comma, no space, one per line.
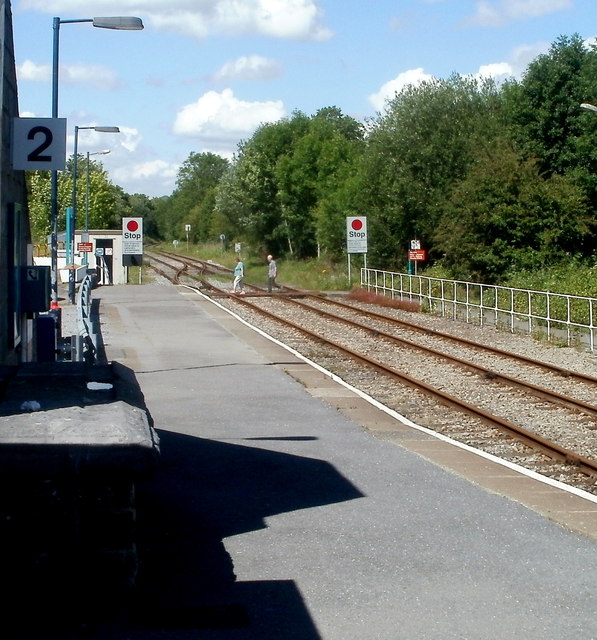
99,203
492,178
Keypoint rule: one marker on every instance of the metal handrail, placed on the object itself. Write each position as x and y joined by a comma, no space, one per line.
87,343
560,317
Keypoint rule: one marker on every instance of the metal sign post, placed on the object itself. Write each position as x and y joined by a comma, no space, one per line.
415,255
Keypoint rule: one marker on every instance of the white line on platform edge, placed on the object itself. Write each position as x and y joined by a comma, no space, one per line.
483,454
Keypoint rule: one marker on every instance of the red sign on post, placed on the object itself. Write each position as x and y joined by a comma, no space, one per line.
84,247
417,255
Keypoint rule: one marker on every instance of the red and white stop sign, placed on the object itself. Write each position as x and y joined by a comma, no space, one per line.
132,236
356,234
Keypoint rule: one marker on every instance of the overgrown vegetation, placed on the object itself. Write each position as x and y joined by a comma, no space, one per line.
498,182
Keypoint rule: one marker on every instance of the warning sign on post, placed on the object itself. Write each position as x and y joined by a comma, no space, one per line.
417,255
356,234
132,236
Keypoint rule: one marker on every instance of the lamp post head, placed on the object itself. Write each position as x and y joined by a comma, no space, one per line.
121,23
590,107
99,129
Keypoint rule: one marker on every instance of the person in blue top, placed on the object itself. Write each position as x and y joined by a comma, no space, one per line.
239,274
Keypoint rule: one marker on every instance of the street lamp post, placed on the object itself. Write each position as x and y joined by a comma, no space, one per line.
119,23
590,107
95,153
72,270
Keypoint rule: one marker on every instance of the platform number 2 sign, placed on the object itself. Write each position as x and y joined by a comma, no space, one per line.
39,143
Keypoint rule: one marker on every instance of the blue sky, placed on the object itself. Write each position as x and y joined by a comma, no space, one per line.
203,74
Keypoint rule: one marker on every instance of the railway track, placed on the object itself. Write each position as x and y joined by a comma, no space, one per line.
561,424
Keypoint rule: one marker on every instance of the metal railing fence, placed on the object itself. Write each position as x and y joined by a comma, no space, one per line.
556,317
85,347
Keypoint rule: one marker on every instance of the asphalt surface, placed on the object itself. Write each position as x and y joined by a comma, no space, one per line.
274,516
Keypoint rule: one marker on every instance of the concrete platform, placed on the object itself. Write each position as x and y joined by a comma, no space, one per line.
287,507
65,417
74,440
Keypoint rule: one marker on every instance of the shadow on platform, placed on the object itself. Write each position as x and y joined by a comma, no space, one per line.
202,493
207,491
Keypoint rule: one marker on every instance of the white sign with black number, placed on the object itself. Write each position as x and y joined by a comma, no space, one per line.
39,143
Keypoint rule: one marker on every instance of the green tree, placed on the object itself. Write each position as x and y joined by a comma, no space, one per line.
39,188
506,217
229,205
311,173
273,196
547,120
193,199
544,106
141,206
103,198
417,151
161,208
256,214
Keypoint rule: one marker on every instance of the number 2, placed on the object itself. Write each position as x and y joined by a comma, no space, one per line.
36,154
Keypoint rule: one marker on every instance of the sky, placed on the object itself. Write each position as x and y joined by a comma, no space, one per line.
204,74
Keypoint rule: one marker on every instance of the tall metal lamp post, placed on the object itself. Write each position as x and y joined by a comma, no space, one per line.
94,153
590,107
119,23
72,270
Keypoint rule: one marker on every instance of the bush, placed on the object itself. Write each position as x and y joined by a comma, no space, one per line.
572,278
368,297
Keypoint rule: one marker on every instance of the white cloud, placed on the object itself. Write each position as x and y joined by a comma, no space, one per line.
498,71
392,87
144,170
516,65
525,54
31,72
129,138
131,163
220,120
124,142
248,68
497,13
152,177
495,70
96,76
289,19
